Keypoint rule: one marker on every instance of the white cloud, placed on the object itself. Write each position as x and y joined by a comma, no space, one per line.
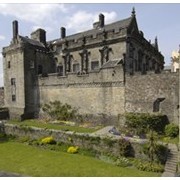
2,37
82,20
35,13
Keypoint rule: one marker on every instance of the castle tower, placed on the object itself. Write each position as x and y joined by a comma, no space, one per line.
14,80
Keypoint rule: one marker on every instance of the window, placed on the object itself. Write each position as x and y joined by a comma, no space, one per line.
105,54
13,97
13,89
156,104
9,64
13,81
76,68
60,70
31,63
94,65
40,69
84,60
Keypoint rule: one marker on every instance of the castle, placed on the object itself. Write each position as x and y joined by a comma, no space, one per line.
104,72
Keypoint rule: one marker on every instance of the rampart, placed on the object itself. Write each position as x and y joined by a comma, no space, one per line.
153,93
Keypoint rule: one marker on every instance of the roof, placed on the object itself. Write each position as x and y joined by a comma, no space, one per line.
32,42
113,26
110,64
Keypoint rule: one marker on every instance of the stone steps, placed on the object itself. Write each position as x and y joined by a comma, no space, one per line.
171,163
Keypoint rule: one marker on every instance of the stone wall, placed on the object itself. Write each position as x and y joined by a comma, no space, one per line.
106,144
13,64
1,97
96,94
141,92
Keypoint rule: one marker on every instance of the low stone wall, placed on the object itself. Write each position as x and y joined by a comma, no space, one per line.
83,140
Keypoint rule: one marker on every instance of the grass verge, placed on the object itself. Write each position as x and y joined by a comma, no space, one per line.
32,161
36,123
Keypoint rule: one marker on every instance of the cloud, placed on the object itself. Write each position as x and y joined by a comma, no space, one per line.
34,13
2,37
83,20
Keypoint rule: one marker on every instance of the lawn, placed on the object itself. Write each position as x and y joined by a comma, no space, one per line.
32,161
40,124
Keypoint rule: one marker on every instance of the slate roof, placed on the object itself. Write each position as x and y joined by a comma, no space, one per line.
113,26
32,42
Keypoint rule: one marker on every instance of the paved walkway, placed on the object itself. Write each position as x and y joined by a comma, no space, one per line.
103,131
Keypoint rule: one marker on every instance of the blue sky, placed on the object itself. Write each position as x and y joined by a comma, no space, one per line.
161,20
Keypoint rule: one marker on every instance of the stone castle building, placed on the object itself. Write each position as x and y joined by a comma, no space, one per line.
105,71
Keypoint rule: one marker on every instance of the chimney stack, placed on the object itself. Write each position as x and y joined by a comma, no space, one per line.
39,35
15,29
101,20
63,32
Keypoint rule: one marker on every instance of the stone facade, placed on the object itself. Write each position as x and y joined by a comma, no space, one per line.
89,70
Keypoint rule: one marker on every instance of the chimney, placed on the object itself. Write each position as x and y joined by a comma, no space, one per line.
39,35
101,20
63,32
15,29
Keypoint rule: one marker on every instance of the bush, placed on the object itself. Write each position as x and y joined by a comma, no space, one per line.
73,149
160,152
122,162
143,122
58,111
48,140
147,166
172,130
125,148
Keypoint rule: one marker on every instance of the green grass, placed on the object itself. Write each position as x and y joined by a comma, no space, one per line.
32,161
169,140
40,124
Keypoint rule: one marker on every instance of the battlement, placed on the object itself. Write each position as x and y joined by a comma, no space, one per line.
110,75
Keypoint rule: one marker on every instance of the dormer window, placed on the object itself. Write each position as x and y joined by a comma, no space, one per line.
105,54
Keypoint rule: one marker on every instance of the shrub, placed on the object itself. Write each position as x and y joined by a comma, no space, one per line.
24,139
147,166
73,149
125,148
57,110
157,153
122,162
161,153
48,140
171,130
143,122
